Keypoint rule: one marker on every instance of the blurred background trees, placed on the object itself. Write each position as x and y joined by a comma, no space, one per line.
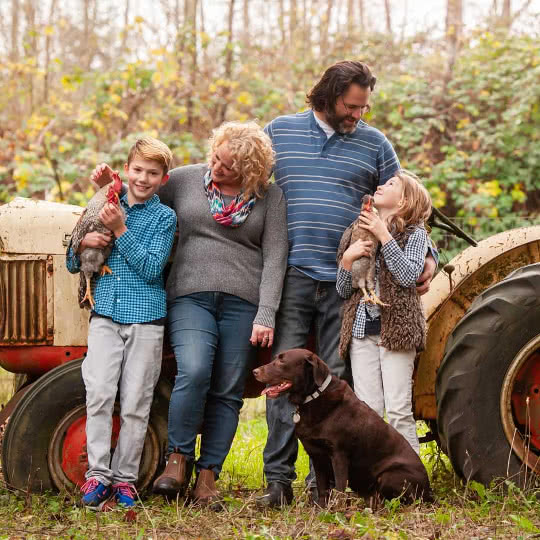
458,98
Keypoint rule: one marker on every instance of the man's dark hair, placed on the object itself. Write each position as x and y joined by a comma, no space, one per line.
336,81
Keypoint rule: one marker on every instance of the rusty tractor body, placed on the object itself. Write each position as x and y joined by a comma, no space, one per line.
477,383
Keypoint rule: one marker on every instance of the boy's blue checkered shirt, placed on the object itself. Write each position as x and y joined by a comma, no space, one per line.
134,292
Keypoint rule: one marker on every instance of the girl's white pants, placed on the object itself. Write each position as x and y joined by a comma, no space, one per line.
383,379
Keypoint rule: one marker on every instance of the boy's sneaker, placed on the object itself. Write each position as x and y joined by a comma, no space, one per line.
125,494
95,494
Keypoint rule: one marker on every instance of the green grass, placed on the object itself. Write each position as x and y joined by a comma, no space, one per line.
460,512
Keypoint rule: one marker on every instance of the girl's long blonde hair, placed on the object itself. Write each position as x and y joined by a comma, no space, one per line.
416,203
251,152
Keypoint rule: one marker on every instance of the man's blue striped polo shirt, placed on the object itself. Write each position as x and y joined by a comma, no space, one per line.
324,180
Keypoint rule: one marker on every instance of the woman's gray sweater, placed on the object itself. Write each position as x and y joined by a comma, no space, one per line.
248,261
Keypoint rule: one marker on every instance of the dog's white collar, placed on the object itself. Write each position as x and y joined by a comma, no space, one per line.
319,390
311,397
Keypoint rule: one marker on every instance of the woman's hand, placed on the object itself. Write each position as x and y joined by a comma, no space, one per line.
101,175
370,221
360,248
262,335
95,240
113,219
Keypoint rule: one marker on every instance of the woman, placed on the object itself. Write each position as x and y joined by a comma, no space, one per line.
223,291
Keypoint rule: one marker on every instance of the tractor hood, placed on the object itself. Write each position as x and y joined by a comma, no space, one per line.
29,226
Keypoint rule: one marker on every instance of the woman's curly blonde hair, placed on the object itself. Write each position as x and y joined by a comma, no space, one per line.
416,207
251,152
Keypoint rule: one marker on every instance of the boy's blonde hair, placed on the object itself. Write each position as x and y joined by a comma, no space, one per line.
153,150
416,207
251,152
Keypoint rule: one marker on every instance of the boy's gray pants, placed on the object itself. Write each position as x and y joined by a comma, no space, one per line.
124,357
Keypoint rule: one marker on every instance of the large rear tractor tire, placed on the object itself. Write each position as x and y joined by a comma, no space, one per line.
44,445
488,384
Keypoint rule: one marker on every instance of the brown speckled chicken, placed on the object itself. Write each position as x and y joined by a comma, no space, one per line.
363,269
93,259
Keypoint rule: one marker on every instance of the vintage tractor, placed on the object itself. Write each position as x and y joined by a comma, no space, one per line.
477,384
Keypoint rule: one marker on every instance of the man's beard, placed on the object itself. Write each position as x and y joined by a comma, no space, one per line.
337,123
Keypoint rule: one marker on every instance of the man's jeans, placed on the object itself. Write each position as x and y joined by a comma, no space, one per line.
125,358
209,333
305,303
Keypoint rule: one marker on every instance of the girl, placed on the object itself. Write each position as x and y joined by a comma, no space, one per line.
384,340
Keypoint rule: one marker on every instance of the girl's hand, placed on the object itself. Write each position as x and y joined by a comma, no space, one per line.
113,219
262,335
370,221
101,175
95,240
360,248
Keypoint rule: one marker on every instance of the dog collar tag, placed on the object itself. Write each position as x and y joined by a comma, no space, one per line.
296,417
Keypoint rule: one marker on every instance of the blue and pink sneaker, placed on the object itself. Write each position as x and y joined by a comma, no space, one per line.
95,494
124,494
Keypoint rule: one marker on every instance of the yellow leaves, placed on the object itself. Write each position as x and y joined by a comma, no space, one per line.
22,174
463,122
139,20
157,77
438,196
245,98
491,188
48,30
493,212
518,194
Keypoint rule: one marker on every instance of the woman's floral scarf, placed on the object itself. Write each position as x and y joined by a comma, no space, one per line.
232,215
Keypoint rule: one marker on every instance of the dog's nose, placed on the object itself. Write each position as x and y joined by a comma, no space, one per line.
256,371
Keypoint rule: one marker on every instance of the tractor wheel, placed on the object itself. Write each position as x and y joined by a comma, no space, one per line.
44,444
488,384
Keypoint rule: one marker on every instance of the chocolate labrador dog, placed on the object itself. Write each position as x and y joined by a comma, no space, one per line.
347,441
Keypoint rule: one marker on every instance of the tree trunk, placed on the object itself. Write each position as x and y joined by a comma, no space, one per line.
31,45
454,28
293,21
191,38
51,24
125,29
245,31
362,15
281,21
388,13
351,23
228,63
324,27
14,53
506,11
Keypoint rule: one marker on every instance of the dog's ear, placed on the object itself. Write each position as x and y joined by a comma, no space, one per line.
320,369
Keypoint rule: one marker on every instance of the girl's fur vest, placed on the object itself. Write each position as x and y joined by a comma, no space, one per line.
403,324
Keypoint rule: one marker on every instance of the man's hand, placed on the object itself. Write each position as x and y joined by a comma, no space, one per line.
262,335
113,219
101,175
360,248
95,240
422,285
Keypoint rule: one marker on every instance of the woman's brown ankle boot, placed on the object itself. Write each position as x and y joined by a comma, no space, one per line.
175,478
205,492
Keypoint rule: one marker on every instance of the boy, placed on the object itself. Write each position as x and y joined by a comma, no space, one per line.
125,335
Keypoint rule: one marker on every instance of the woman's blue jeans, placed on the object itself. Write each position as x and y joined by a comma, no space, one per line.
209,333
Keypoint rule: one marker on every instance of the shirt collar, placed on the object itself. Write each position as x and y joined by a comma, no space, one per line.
154,199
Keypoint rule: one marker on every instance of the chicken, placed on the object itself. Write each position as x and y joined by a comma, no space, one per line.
93,259
363,269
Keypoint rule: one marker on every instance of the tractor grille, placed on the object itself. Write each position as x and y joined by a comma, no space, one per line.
23,302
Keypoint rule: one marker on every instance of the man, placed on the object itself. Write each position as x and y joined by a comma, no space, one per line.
327,159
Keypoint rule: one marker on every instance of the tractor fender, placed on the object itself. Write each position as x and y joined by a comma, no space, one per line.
474,270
